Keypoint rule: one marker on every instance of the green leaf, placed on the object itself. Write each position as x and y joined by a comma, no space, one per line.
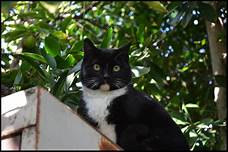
8,77
206,121
155,89
25,66
36,66
34,56
139,71
61,64
65,23
157,6
107,39
42,26
187,18
176,17
76,68
158,73
208,12
28,15
52,46
140,33
77,46
18,78
13,35
71,28
58,87
51,61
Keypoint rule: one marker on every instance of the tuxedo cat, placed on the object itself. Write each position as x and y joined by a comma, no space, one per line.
109,102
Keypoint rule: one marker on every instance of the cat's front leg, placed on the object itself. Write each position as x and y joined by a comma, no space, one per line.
135,137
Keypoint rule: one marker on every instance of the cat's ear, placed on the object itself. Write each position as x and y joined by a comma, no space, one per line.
125,48
88,45
123,51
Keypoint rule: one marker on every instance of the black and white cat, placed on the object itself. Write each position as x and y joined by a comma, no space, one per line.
109,102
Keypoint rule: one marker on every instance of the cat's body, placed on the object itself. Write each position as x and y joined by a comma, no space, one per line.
128,117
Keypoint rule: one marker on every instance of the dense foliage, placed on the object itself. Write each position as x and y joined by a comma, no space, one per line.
41,45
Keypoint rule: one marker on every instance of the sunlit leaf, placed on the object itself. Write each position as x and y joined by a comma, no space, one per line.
50,7
179,121
191,105
69,80
203,42
192,134
139,70
70,60
185,68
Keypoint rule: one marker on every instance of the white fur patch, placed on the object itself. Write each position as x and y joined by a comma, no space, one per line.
97,102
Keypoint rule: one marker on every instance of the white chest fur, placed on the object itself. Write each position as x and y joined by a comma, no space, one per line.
97,102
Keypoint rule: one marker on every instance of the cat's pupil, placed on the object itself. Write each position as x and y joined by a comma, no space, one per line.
116,68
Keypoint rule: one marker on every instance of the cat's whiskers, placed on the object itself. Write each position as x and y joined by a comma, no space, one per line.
91,82
94,84
121,80
116,85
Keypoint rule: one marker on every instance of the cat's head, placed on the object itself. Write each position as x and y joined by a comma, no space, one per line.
105,69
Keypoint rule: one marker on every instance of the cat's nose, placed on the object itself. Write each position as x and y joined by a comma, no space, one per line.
106,75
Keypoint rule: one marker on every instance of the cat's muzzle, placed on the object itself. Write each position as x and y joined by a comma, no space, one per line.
105,87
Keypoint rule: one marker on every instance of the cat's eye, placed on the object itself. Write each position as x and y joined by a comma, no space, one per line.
116,68
96,67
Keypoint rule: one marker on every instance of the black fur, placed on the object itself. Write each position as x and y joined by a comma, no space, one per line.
141,123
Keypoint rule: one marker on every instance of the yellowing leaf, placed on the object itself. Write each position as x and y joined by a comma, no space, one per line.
60,35
157,6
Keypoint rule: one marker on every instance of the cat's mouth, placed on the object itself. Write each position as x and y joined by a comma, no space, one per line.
105,87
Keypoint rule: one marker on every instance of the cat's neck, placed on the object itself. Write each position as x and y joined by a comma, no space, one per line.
100,93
